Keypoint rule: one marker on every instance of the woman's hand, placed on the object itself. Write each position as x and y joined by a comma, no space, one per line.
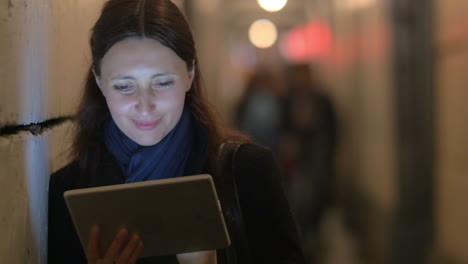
122,250
201,257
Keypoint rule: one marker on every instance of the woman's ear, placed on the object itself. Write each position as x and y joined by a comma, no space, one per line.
191,76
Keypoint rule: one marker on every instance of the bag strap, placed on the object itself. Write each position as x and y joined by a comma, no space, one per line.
238,252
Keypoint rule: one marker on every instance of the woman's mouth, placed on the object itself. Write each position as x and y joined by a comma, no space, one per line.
145,125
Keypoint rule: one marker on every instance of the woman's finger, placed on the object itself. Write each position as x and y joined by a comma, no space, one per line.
113,252
129,249
136,253
93,251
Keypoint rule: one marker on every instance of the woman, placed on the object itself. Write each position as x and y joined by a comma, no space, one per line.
143,106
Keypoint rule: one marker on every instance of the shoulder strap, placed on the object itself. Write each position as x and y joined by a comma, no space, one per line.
238,252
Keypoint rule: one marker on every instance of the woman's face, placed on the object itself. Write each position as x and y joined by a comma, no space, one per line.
144,84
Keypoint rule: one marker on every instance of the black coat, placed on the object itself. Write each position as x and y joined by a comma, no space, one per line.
270,230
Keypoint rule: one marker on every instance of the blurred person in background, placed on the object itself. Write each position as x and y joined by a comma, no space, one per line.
259,111
307,153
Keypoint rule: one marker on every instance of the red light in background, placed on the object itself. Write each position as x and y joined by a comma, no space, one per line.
295,48
305,43
318,39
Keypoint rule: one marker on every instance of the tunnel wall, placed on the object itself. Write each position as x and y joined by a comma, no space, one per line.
43,56
451,49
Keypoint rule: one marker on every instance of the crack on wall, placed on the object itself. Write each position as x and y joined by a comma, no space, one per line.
35,128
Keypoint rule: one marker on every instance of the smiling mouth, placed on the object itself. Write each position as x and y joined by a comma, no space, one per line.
145,125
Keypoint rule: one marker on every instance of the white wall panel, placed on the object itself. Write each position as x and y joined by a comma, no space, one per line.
23,61
43,57
23,199
44,54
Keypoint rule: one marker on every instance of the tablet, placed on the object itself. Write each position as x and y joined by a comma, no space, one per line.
172,216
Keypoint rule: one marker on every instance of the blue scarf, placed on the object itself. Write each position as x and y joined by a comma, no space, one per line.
166,159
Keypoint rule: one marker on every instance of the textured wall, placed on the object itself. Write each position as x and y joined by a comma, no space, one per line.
43,57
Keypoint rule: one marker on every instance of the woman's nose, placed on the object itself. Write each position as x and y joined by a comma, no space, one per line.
146,103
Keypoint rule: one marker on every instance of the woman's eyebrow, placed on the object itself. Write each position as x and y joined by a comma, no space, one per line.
118,77
128,77
162,74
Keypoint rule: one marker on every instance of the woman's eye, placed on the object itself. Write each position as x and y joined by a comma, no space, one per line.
162,85
124,88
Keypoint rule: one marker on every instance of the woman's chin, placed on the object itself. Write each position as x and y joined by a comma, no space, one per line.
146,140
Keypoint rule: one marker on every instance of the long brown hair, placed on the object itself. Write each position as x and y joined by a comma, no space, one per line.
156,19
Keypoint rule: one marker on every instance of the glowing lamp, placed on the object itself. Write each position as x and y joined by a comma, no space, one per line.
263,33
272,5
